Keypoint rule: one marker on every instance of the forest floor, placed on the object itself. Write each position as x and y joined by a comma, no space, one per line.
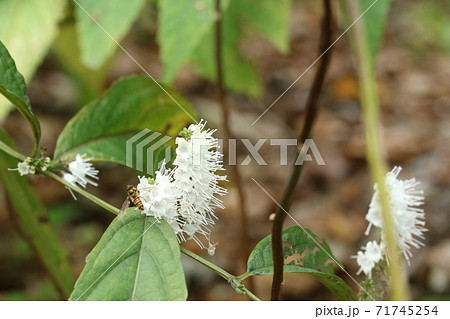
413,71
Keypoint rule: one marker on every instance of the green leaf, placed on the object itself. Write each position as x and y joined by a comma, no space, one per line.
33,223
102,128
374,22
114,16
240,74
302,255
194,20
269,17
13,87
27,29
67,51
137,258
182,24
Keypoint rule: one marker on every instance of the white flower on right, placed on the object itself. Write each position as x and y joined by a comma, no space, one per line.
197,162
404,201
368,257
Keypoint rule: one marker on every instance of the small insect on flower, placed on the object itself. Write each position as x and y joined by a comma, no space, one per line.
133,197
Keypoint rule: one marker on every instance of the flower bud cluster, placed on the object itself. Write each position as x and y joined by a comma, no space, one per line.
32,164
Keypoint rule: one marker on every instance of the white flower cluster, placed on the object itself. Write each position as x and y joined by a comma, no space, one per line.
187,195
81,172
368,257
409,220
30,165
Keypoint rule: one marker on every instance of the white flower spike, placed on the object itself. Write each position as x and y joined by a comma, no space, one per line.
81,172
186,196
404,201
197,162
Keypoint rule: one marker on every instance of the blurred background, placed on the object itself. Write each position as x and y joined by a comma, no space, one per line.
413,76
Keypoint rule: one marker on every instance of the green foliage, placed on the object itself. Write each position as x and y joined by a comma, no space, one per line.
68,53
182,25
374,22
27,29
13,87
32,221
132,104
114,16
269,17
240,74
187,34
302,255
43,289
433,29
137,258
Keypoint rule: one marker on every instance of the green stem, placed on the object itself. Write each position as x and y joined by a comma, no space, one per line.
82,192
243,276
375,158
250,294
12,152
234,281
222,273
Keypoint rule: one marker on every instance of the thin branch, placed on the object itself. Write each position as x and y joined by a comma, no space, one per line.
232,280
234,170
10,151
82,192
311,113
